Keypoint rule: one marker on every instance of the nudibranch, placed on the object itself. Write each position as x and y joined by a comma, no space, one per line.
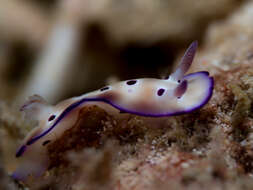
177,94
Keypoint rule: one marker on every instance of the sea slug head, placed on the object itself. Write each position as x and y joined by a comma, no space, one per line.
196,88
179,93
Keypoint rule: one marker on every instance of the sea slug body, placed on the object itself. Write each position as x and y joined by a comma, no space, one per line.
178,94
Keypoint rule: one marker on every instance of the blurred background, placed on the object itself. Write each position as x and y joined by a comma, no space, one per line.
64,48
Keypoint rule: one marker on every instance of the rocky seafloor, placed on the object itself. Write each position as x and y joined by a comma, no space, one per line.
211,148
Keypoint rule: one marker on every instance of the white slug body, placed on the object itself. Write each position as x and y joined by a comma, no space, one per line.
155,97
176,95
